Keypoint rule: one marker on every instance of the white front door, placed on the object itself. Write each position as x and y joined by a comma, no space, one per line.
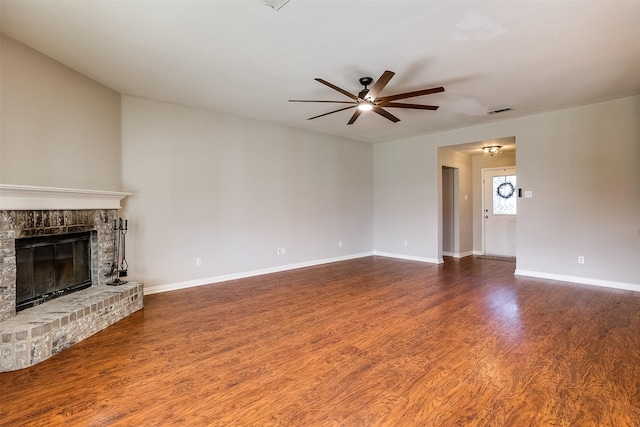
499,210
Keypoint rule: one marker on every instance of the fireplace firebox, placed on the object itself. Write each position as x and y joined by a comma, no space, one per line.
51,266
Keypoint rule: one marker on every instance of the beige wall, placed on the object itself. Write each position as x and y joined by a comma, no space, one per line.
583,166
406,176
232,191
58,128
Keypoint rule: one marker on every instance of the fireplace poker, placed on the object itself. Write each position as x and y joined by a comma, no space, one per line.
114,259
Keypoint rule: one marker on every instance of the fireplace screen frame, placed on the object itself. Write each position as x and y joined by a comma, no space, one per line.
50,266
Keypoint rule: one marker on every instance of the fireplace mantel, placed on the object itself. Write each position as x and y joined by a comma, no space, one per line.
25,197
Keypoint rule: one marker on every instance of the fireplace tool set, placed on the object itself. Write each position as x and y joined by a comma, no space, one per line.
119,266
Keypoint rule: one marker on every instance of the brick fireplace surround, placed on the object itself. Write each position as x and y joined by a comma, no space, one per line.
35,334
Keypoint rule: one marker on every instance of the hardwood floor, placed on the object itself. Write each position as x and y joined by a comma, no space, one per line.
367,342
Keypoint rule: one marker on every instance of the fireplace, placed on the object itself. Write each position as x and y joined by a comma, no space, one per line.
54,241
48,267
42,233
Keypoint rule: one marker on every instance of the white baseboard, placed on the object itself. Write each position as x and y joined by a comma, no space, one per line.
234,276
409,257
460,255
580,280
224,278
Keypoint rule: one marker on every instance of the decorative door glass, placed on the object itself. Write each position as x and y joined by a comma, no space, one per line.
504,195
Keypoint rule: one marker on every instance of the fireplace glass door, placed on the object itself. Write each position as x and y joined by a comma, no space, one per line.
50,266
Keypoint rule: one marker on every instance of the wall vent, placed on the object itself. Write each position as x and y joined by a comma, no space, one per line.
499,110
275,4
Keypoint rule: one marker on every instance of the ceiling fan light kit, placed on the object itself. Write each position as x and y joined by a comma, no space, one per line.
369,99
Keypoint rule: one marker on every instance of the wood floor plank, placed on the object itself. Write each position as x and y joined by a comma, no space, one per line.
366,342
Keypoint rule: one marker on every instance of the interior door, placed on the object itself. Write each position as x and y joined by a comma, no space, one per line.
500,211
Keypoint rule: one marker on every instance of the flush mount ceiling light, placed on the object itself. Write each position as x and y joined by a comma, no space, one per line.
493,150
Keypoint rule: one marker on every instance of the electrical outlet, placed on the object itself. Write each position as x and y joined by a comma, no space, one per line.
406,243
580,260
198,262
339,243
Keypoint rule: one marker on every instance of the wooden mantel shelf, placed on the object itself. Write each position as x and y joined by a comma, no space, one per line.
25,197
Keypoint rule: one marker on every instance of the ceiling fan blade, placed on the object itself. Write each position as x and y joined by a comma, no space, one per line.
311,100
355,117
410,106
331,112
334,87
386,114
411,94
380,84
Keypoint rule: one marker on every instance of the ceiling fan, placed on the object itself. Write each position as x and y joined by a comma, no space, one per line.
369,99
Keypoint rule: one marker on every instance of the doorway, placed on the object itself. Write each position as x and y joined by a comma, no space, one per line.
461,210
499,211
450,244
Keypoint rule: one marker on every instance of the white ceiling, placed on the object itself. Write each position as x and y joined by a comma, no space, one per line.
244,58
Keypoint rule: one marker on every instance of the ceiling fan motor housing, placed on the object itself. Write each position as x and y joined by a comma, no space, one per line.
366,81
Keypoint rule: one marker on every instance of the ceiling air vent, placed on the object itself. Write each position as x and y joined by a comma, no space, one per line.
499,110
275,4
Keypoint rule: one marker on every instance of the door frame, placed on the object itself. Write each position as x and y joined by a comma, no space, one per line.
482,172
